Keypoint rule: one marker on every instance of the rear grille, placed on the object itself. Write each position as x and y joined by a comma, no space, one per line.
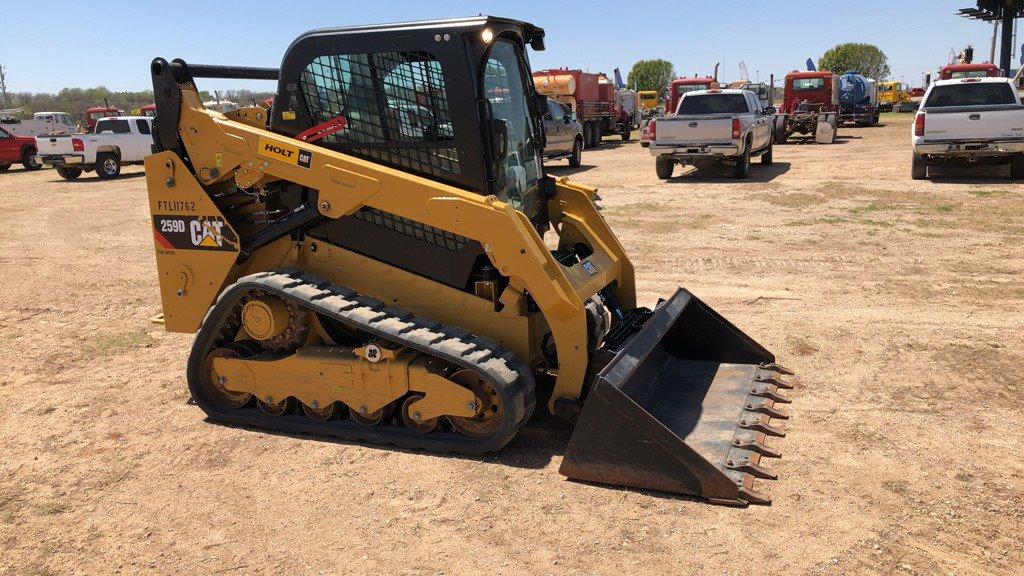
412,228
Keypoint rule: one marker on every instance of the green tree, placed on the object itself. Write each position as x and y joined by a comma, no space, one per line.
865,59
651,75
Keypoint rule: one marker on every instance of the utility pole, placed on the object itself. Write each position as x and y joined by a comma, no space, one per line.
995,33
3,89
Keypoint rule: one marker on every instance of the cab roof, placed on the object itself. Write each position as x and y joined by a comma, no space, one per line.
533,35
810,74
974,66
700,80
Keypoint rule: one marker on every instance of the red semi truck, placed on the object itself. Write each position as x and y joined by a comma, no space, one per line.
592,97
96,112
681,86
810,105
980,70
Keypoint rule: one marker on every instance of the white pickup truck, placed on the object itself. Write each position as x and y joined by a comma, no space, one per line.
42,123
117,141
969,121
713,126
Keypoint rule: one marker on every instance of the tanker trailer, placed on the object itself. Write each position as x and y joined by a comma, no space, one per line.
858,100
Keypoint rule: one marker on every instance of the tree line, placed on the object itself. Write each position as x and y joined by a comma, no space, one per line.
75,101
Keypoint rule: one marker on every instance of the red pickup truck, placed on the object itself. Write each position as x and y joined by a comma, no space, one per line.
17,149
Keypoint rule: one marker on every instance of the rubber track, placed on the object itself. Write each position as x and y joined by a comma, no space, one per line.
448,343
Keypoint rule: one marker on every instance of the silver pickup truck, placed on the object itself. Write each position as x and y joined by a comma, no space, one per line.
713,126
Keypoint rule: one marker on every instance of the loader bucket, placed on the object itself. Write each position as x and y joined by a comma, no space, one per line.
685,406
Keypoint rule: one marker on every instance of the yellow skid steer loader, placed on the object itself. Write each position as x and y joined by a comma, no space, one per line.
365,259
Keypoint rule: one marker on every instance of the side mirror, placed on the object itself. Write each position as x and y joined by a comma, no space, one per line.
567,118
770,110
542,102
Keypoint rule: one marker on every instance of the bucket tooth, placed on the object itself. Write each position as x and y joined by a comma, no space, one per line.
752,467
759,423
753,496
754,445
772,378
776,367
770,391
764,407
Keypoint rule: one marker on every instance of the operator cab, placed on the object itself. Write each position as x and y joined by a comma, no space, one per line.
450,100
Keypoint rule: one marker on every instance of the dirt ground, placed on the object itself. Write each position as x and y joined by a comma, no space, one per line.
898,302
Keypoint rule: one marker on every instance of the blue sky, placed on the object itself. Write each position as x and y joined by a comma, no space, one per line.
111,43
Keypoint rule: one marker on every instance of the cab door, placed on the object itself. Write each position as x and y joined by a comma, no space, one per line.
555,129
762,124
9,150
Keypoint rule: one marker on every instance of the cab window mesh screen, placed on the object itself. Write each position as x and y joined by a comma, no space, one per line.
395,106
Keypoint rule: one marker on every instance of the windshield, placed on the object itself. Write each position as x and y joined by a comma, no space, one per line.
969,74
518,172
115,126
971,94
648,95
684,88
713,104
808,83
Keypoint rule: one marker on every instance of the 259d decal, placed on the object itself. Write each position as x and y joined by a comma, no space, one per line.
193,233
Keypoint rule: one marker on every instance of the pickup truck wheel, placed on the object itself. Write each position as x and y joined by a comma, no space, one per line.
664,167
577,153
625,134
742,167
5,167
918,168
766,156
1017,167
108,165
69,173
28,160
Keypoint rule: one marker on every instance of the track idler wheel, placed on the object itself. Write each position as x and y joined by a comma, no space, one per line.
360,416
320,413
490,412
412,418
213,384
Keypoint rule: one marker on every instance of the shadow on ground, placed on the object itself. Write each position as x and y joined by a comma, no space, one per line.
719,172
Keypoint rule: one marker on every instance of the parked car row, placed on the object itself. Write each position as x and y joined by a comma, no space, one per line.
965,121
